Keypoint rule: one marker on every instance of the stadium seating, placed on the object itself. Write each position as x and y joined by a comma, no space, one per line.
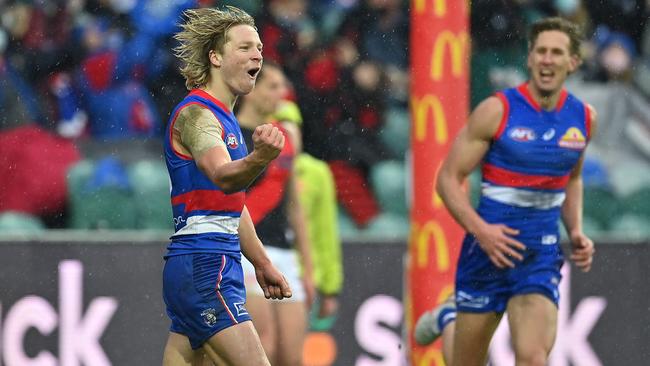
601,206
150,183
630,226
17,222
100,196
388,181
591,227
638,203
629,177
347,227
395,134
389,226
634,220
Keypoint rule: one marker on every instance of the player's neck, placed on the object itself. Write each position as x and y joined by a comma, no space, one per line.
546,101
221,92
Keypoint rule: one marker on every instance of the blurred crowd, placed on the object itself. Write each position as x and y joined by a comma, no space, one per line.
86,86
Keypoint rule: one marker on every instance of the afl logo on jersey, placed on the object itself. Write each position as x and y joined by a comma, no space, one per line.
522,134
573,139
231,141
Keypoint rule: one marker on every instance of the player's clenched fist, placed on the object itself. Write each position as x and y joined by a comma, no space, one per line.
268,141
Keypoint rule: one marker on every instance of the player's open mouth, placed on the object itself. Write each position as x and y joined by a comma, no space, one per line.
546,75
253,72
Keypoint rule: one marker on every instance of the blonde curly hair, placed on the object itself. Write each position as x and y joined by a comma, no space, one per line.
205,30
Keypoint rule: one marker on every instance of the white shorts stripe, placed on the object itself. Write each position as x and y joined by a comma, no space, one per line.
218,289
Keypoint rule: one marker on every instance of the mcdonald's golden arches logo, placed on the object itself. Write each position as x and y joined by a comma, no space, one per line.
421,237
456,45
420,108
439,7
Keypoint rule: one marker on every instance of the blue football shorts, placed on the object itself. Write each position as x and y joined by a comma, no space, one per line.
204,294
482,287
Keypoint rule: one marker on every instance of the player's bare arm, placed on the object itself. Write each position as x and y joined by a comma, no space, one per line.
582,247
198,131
467,151
271,281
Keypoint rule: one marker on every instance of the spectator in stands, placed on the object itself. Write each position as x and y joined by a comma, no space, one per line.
110,81
288,34
18,101
614,57
628,16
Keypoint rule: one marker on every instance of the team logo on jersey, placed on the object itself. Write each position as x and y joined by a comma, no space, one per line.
573,139
231,141
522,134
209,316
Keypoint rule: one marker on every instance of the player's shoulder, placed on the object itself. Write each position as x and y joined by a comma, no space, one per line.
196,110
487,119
491,106
488,115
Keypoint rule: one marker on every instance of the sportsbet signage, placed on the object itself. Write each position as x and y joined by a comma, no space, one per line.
100,304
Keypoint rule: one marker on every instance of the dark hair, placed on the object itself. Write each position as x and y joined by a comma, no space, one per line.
557,24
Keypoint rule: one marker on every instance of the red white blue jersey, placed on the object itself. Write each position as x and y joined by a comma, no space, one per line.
527,168
206,219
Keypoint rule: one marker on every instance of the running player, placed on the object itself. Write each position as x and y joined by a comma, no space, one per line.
209,168
530,141
274,206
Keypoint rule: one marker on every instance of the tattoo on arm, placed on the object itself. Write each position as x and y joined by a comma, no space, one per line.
199,129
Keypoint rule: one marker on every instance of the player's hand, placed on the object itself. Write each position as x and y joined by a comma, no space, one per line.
329,305
268,141
498,243
310,290
272,282
582,252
